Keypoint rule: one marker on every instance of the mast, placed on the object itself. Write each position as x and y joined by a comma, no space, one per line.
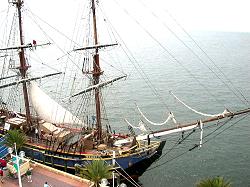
23,66
96,75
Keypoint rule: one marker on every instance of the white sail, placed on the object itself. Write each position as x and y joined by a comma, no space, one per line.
164,133
49,110
170,116
197,112
141,126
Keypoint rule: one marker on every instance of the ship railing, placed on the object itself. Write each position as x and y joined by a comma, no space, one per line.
129,150
48,144
144,146
39,141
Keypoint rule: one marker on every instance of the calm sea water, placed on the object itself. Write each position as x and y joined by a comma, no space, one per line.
226,151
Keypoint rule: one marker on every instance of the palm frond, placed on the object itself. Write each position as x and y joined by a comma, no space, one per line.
96,171
15,136
214,182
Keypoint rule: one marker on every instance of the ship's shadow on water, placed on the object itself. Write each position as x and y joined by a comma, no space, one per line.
138,169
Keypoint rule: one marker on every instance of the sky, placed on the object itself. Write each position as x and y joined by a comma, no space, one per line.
155,16
216,15
219,15
209,15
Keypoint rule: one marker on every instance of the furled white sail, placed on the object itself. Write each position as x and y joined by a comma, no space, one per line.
226,111
49,110
170,116
164,133
141,126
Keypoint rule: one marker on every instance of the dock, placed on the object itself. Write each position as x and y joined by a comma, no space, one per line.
42,174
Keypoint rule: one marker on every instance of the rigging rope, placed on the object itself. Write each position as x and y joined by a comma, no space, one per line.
211,60
135,62
197,112
128,178
171,54
202,61
133,181
196,145
170,116
247,115
141,125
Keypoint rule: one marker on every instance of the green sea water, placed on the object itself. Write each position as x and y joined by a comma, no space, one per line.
209,87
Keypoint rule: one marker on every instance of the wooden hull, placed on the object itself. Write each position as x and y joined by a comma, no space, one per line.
47,152
67,161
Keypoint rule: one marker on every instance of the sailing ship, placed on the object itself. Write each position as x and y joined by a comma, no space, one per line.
56,136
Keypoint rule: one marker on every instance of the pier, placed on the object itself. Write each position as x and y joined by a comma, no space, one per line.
42,174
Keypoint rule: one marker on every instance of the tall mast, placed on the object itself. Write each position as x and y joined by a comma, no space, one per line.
23,66
96,76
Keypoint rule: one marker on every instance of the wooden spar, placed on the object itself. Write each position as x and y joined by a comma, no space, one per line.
95,47
27,80
228,115
96,76
192,125
102,84
11,76
23,67
24,46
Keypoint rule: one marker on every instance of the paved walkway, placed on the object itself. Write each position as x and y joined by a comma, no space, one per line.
41,174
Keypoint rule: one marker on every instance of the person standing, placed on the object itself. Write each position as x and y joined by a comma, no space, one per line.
46,185
36,132
29,175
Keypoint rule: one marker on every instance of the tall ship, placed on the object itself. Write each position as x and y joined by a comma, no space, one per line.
68,126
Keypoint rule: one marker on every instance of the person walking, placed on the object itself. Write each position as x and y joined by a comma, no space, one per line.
29,175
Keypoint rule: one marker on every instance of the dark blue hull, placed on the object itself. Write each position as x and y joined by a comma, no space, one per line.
67,161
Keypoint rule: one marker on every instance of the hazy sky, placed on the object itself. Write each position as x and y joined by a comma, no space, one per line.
222,15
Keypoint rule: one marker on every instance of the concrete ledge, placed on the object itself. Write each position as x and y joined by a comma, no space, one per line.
65,174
